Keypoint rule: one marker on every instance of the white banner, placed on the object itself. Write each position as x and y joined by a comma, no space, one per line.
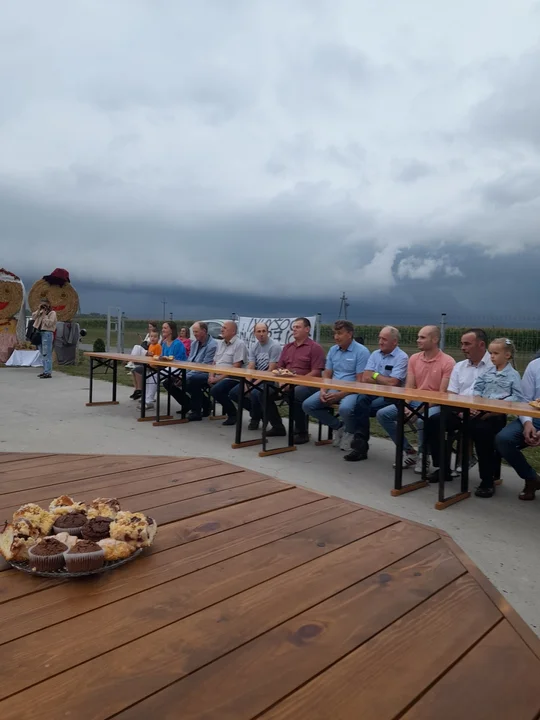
278,328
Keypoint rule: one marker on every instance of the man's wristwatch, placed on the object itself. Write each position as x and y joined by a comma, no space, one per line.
375,376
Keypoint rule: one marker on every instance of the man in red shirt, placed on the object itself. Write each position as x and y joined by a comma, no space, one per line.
303,356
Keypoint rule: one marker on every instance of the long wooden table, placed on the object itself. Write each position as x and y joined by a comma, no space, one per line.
400,395
258,599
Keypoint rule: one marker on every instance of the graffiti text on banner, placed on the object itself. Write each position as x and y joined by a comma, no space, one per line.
280,329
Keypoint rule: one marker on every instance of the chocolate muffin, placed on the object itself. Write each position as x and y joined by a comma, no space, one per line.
97,528
47,555
71,523
84,556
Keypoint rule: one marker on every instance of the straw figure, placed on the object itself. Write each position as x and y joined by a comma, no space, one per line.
64,300
12,313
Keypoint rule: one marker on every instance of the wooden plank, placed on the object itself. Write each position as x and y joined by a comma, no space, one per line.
159,606
400,663
125,676
262,672
197,506
15,584
63,600
119,486
80,471
496,680
11,457
26,468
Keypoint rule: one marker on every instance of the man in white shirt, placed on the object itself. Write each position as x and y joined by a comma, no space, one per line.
474,346
232,352
521,433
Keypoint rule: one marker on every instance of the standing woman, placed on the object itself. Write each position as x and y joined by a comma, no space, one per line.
45,321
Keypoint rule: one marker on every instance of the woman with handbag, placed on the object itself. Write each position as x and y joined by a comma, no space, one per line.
45,324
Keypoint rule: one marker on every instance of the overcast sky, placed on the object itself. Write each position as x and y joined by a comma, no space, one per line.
288,149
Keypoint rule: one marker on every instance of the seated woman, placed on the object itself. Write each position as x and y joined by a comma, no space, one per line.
154,349
171,349
500,382
183,336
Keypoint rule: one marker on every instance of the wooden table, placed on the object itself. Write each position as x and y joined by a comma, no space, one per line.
258,599
401,396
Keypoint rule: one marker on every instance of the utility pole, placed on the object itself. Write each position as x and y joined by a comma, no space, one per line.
343,306
164,303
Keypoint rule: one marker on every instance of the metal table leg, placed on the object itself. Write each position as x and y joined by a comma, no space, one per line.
290,447
105,362
443,502
399,488
167,419
238,442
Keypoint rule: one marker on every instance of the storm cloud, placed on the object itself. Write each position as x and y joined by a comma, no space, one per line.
272,152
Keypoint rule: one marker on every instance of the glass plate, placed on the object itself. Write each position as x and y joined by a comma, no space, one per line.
63,573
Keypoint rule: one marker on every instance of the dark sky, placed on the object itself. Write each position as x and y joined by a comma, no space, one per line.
264,157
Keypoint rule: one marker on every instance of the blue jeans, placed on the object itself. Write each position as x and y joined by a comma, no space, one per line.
368,406
220,392
195,384
509,443
315,407
387,418
46,349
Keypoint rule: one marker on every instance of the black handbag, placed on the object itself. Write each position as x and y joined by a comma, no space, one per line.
33,335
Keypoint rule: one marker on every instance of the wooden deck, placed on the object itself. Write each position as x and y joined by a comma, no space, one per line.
258,600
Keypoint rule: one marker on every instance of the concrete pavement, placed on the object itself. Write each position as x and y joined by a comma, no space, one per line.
500,535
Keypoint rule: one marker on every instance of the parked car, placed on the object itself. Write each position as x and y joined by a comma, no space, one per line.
214,328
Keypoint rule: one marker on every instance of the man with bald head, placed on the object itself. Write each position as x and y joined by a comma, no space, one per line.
263,355
231,352
429,369
386,367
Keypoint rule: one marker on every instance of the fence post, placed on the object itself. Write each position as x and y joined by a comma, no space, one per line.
443,331
318,328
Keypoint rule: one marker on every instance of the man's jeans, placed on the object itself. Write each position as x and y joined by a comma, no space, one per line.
367,406
220,392
509,443
315,407
253,401
387,417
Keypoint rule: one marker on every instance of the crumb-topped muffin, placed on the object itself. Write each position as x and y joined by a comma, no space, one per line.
65,504
103,507
16,538
39,517
115,549
134,528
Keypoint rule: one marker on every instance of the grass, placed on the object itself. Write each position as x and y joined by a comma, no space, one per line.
124,378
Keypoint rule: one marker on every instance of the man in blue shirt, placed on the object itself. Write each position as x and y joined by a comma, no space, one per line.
386,366
521,433
202,351
345,361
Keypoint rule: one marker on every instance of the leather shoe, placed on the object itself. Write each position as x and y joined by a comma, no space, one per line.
278,431
355,456
529,491
194,417
229,421
301,438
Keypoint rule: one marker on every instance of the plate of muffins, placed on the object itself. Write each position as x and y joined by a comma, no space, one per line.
72,539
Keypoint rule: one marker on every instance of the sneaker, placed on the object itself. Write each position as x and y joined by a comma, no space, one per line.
130,366
148,406
338,436
136,395
472,462
409,460
346,441
194,417
419,462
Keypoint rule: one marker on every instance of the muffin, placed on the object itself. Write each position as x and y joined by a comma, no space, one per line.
134,528
96,528
47,555
16,538
70,522
84,556
39,517
103,507
115,549
65,504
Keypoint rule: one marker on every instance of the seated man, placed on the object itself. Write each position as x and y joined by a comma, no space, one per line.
346,360
202,351
387,367
232,352
429,369
263,355
304,357
462,380
521,433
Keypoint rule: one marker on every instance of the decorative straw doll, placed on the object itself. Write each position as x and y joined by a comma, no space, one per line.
12,313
